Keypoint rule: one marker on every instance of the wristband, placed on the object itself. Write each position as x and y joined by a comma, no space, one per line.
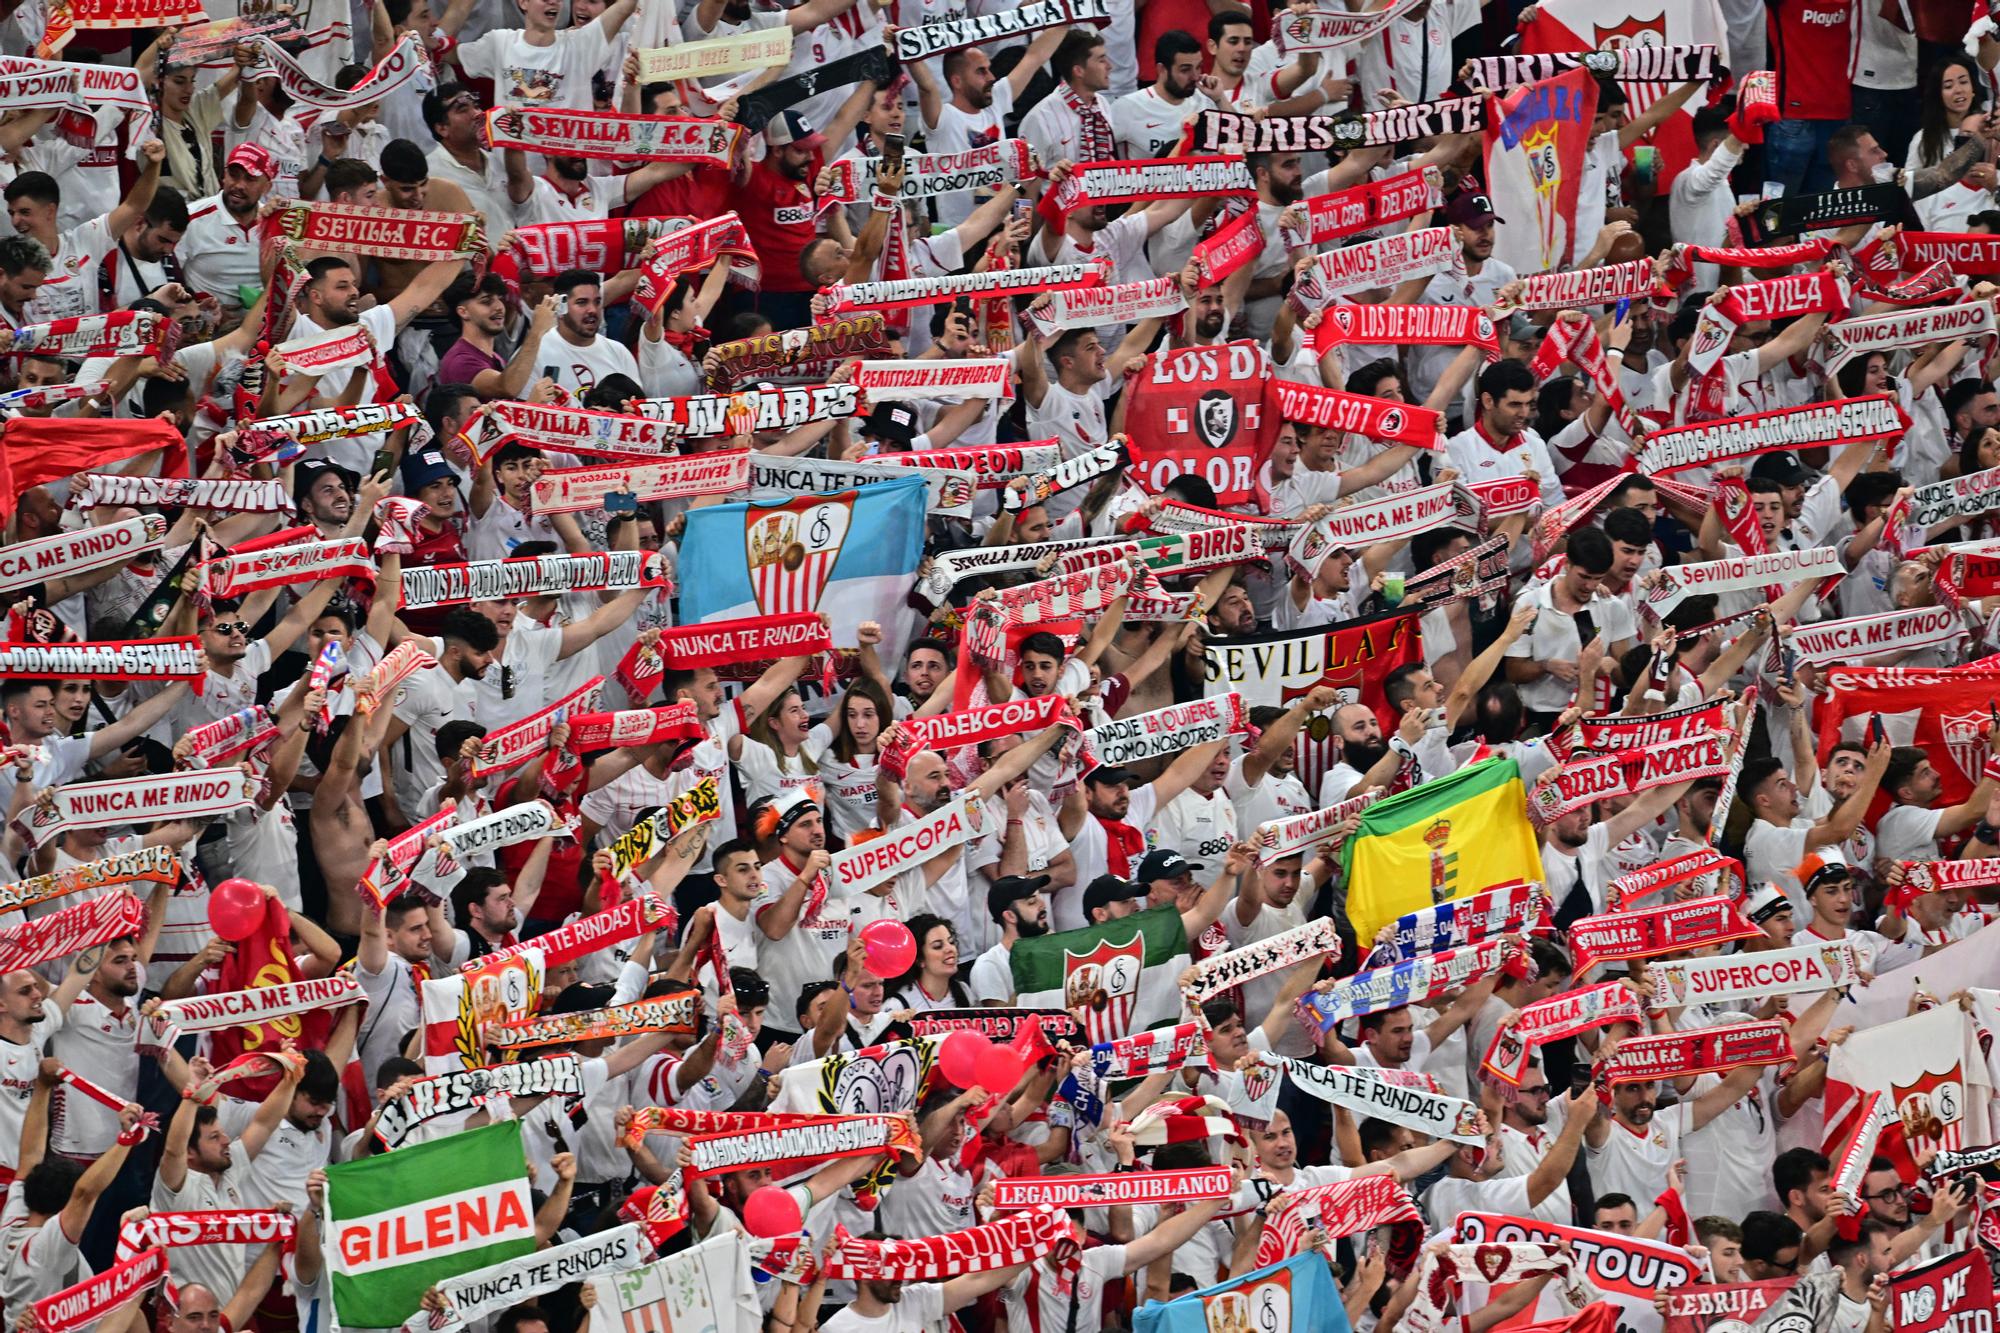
881,203
1126,1166
130,1137
1986,832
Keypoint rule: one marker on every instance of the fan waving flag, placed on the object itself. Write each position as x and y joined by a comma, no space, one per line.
851,554
400,1224
1537,137
1452,837
1116,976
1296,1294
1945,711
1611,25
1931,1070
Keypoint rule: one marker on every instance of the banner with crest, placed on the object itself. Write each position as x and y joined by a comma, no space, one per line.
458,1009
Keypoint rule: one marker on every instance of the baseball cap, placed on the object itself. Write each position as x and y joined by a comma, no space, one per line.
1816,871
1766,903
789,127
422,469
1011,889
1470,207
255,159
1782,467
308,472
894,422
1109,774
1108,889
1162,863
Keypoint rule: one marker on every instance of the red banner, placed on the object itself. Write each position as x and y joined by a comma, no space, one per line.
1358,414
1946,711
1953,1295
1653,931
1701,1307
1201,410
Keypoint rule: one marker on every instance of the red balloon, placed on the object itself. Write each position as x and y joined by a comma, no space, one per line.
888,948
999,1070
959,1055
772,1211
235,909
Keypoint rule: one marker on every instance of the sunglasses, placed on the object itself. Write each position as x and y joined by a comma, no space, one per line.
231,627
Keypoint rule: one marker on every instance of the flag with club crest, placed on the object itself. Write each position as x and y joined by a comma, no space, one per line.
1297,1294
1537,137
1119,978
850,554
1611,25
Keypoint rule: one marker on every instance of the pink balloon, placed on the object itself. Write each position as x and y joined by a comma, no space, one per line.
888,948
772,1211
959,1055
999,1070
235,908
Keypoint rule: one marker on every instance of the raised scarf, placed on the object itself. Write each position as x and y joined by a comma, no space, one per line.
1583,287
1394,518
1342,1208
151,865
613,136
1574,338
1842,342
1099,181
755,640
763,407
570,430
405,65
1646,881
517,742
1174,729
27,564
1368,1095
1584,781
693,249
1737,573
121,333
1627,64
131,659
602,245
1827,642
572,490
671,1013
731,363
1328,217
382,233
1412,981
1120,1189
987,167
921,41
1356,414
284,566
1752,976
921,380
994,284
1565,1015
69,930
1330,30
1688,1054
1314,941
1017,1238
1387,262
1228,247
724,1141
243,731
263,497
699,804
1507,909
141,800
1405,325
1778,298
532,576
1121,303
1651,931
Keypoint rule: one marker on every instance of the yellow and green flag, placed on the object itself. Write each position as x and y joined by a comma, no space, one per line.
1451,837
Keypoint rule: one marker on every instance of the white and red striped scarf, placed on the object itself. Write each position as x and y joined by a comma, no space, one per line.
119,334
1018,1238
1184,1120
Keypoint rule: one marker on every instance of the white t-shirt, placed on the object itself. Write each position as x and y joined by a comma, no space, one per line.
1907,833
1634,1162
1148,125
1053,1299
218,1267
101,1045
72,285
579,369
921,1308
552,76
19,1065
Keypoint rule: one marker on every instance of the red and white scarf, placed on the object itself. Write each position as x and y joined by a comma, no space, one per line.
1328,217
1386,262
1574,288
1960,251
1367,1094
903,381
1357,414
1019,716
700,804
1575,339
119,334
1814,426
142,800
1111,1191
1842,342
591,732
725,1141
69,930
910,293
1067,596
763,407
242,732
569,430
26,564
571,490
129,659
1628,64
1018,1238
247,1008
1342,1208
1330,30
1830,641
921,41
389,876
1552,1019
1102,181
405,64
613,136
1628,888
1299,833
1412,981
261,497
1652,931
284,566
88,1302
1405,325
407,234
1688,1054
1394,518
1751,976
987,167
861,868
328,350
519,741
1228,247
727,642
696,248
671,1013
732,363
1784,297
151,865
1174,729
1583,782
628,920
532,576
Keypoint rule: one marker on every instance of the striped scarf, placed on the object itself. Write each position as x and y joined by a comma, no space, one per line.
1094,142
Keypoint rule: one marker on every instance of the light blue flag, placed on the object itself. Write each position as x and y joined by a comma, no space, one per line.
1296,1296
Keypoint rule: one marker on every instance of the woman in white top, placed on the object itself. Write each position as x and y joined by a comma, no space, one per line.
932,981
673,338
778,751
1953,90
847,759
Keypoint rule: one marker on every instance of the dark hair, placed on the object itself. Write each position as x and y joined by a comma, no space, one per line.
1766,1233
471,891
1044,643
611,393
750,988
1590,550
1628,526
324,265
321,1081
437,104
168,209
1551,401
1934,136
1377,1135
1396,686
444,400
734,847
1612,1200
348,173
570,279
811,991
1369,377
1426,545
1904,761
1871,488
1074,50
401,906
1505,377
1794,1169
1960,395
1218,1011
1717,1226
1631,481
1756,772
1190,488
1172,45
404,163
395,1067
527,1312
1224,21
1711,122
1550,960
46,1189
451,737
469,628
36,186
920,925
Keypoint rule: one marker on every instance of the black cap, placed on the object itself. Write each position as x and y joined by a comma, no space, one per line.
1108,889
1110,774
1162,863
1782,467
1470,208
310,470
1011,889
894,422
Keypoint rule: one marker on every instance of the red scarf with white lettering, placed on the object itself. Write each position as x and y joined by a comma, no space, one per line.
1017,1238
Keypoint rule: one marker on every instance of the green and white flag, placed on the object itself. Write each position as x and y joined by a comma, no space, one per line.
1119,978
703,1289
402,1223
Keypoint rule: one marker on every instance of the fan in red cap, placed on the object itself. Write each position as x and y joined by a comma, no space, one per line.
255,159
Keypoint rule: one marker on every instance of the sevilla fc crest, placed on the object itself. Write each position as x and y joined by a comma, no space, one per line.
1965,739
1215,418
1102,986
791,550
1932,1109
1632,32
